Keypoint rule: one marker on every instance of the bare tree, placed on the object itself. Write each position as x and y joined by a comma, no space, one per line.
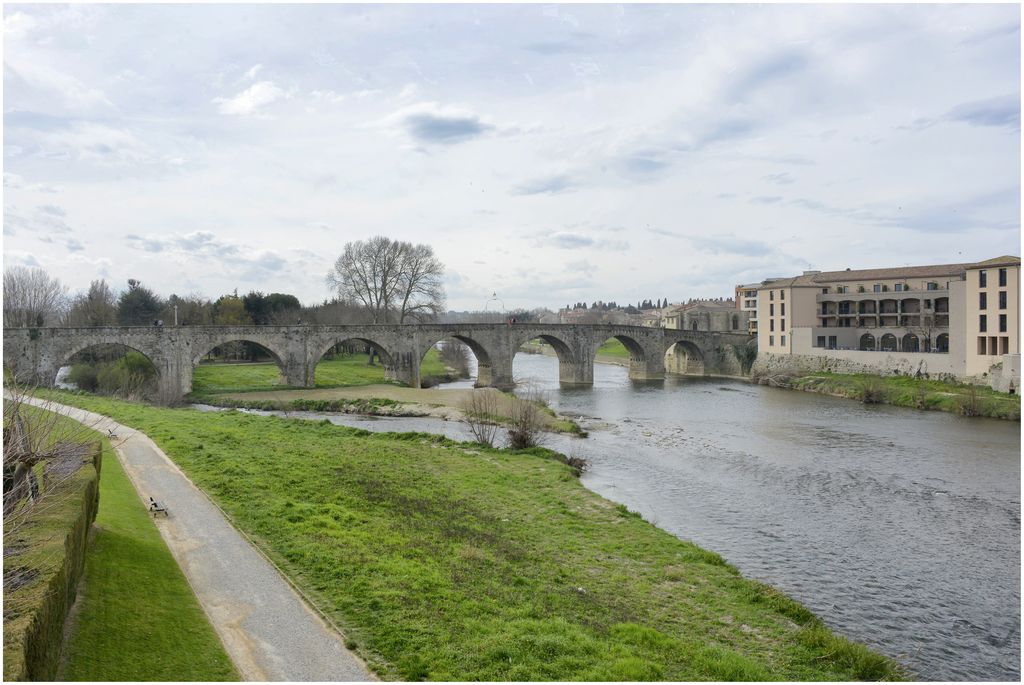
31,297
389,278
97,307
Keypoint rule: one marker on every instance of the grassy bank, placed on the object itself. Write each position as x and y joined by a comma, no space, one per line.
136,617
613,348
351,370
450,561
905,391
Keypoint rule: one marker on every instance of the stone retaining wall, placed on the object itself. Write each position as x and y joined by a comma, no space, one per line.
32,638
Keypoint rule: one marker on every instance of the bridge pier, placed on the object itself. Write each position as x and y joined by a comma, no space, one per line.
650,368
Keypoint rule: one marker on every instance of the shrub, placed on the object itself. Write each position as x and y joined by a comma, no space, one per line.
84,376
969,404
871,390
479,410
526,421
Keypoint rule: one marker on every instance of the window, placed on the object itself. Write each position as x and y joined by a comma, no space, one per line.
783,341
1002,300
1002,323
983,323
1002,278
771,324
899,287
832,342
932,286
782,294
824,291
771,310
877,287
981,344
824,308
821,341
782,307
783,323
771,340
771,294
982,279
982,300
841,289
1004,345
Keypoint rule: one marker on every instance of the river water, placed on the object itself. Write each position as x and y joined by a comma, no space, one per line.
899,528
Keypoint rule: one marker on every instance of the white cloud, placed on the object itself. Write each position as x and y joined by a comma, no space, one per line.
251,74
17,25
58,84
251,100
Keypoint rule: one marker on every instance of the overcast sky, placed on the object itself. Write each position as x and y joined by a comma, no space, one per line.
548,153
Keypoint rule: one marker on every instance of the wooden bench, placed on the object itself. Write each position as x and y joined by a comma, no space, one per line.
157,508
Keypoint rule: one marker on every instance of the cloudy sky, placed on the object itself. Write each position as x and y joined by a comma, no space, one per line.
549,153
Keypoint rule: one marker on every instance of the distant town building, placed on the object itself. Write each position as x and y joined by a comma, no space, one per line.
953,319
707,315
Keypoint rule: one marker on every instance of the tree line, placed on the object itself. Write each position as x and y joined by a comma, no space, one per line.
373,281
612,306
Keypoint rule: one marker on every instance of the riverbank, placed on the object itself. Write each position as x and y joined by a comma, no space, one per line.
449,561
906,391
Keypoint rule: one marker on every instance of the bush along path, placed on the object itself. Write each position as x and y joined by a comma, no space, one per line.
269,632
452,561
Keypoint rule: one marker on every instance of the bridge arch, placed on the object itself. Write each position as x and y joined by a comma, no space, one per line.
138,386
205,348
571,368
635,349
683,357
483,356
387,357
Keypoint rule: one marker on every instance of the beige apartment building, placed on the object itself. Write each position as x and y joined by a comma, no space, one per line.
948,319
746,301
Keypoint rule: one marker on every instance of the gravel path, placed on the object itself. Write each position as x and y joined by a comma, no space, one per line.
269,632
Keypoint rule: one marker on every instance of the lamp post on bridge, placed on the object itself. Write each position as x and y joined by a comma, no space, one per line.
495,298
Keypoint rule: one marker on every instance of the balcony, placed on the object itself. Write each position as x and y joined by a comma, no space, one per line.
886,295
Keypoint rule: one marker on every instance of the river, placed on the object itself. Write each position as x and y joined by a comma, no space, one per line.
899,528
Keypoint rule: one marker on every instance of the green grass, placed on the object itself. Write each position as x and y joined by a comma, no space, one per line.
613,348
136,618
906,391
449,561
212,379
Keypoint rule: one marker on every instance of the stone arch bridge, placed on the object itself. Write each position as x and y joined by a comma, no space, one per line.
36,354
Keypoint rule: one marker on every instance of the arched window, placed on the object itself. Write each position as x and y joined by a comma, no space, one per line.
735,321
867,342
942,343
888,343
911,343
693,325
